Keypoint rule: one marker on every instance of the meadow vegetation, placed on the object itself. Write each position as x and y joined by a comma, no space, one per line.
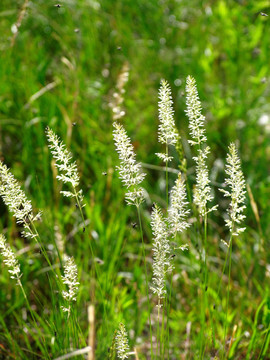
134,179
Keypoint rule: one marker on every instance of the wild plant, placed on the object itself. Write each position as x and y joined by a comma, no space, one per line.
70,278
11,261
17,202
132,176
167,132
202,191
236,184
121,342
129,170
68,171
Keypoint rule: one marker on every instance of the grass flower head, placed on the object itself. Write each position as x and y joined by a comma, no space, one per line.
68,171
236,183
178,212
196,119
122,342
16,200
161,253
167,133
70,278
10,259
129,170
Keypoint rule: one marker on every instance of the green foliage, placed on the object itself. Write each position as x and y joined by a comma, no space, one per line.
61,70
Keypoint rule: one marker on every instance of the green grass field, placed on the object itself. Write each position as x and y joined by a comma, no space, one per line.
74,68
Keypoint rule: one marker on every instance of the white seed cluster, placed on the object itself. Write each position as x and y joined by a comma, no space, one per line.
236,182
10,259
167,133
70,278
194,108
122,342
161,253
16,200
178,212
68,171
202,193
129,170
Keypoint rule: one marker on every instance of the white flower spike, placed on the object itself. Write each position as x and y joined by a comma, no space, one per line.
67,168
236,183
161,253
129,170
178,212
16,200
10,259
167,133
122,342
70,278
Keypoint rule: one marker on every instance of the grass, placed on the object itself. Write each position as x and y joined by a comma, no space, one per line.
224,45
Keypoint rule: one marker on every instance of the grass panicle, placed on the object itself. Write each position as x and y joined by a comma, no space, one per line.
70,278
10,260
178,212
68,170
236,183
161,253
121,342
167,133
17,202
129,170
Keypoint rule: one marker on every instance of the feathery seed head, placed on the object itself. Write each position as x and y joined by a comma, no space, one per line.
10,259
15,199
129,170
177,212
167,133
70,278
122,342
236,183
161,252
68,171
202,192
196,119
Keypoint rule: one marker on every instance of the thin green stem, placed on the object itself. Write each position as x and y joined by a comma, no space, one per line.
167,180
204,289
78,202
146,279
32,314
158,331
263,345
228,296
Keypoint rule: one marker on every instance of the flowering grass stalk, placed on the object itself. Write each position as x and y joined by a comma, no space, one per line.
68,171
167,132
202,191
131,175
12,263
121,342
129,170
178,212
236,183
70,278
10,260
162,263
17,202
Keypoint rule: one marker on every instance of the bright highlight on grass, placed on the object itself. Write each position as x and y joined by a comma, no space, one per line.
10,259
129,170
70,278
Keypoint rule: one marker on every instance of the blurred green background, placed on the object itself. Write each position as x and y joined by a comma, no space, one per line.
60,66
